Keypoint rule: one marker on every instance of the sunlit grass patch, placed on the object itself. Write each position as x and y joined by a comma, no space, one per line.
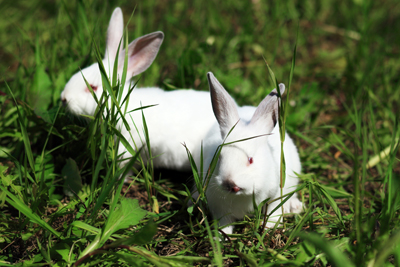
342,113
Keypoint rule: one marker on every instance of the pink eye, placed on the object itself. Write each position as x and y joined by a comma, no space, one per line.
94,88
250,160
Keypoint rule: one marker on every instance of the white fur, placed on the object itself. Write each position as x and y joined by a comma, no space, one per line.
186,116
182,116
262,176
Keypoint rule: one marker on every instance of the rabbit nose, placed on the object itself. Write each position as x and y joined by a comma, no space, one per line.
230,186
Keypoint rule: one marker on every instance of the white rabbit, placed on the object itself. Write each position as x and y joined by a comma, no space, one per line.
248,167
141,53
182,116
186,116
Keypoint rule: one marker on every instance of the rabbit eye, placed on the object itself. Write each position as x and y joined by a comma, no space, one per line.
94,88
250,159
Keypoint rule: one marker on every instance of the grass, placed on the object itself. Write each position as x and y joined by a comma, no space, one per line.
342,112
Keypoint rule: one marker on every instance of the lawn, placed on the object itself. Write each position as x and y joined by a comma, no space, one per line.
62,202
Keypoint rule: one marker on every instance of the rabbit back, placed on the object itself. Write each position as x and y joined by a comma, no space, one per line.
173,119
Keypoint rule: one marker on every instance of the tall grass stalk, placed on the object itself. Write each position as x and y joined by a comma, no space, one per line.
282,117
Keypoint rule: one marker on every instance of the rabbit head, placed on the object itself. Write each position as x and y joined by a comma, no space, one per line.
245,167
141,53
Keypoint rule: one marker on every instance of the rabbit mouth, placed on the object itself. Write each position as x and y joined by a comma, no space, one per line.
231,187
64,102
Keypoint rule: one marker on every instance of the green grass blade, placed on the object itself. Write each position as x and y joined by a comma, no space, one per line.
215,244
149,164
24,209
337,258
25,136
196,177
387,249
108,88
115,70
125,68
292,66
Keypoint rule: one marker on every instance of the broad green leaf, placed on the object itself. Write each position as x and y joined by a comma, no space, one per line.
127,214
85,226
39,94
143,237
61,251
72,178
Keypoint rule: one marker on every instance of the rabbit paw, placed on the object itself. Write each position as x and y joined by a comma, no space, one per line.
128,178
270,225
293,205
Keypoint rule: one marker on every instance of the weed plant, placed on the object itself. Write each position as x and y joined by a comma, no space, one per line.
62,202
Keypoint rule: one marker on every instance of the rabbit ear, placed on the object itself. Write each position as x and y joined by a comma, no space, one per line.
266,115
114,34
281,88
225,109
142,52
